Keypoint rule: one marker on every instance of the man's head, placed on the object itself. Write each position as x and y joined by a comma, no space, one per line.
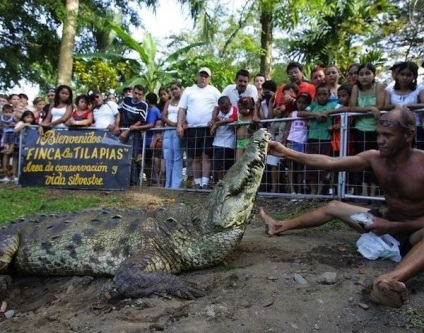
138,93
96,97
259,80
395,131
295,72
203,77
242,80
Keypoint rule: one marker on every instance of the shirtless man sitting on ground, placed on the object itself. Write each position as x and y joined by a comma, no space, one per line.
400,173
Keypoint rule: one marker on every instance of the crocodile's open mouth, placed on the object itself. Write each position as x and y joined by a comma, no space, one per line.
233,197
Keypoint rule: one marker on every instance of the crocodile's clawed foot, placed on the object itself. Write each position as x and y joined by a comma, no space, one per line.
130,282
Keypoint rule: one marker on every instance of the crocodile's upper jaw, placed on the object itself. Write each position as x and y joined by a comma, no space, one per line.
232,199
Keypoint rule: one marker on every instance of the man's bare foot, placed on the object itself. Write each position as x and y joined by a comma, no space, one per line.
271,225
389,293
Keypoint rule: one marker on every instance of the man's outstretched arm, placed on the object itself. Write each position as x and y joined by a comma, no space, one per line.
358,162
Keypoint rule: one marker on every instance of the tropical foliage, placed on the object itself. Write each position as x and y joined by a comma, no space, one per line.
261,36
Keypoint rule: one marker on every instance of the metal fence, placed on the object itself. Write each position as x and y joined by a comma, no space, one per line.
281,177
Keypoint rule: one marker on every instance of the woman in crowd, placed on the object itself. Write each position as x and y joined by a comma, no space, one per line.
332,78
60,111
317,75
368,98
172,152
164,97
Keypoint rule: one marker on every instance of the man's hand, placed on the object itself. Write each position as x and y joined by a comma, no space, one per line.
276,148
381,226
180,131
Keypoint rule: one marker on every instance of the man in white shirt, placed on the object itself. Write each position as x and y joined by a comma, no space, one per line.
196,108
241,88
105,113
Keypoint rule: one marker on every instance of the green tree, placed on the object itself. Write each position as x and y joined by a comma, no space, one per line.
30,41
147,68
68,42
341,34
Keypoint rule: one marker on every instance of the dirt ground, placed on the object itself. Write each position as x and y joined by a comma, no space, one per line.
266,285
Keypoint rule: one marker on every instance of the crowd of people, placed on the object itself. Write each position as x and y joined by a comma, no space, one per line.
205,131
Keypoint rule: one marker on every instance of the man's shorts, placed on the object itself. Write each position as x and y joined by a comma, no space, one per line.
199,141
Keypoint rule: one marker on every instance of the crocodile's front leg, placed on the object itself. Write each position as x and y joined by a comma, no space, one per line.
151,275
8,246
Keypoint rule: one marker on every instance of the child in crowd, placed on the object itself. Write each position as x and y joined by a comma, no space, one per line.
343,93
368,98
296,135
276,129
39,104
225,137
82,116
290,92
7,141
8,124
157,155
244,132
318,136
28,119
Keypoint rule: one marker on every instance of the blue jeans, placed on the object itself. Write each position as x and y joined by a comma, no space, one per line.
172,154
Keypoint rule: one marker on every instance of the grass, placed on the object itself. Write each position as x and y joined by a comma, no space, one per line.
18,202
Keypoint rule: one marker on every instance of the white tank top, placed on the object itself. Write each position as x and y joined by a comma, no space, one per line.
411,98
57,113
172,112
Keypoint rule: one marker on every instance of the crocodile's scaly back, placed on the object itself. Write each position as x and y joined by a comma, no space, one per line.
141,249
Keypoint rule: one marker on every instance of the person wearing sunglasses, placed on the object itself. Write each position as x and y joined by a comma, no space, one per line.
105,113
398,170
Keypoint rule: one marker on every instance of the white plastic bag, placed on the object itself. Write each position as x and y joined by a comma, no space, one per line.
373,247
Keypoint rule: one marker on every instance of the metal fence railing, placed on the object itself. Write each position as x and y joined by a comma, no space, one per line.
158,155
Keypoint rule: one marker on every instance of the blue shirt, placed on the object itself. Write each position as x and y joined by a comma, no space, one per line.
153,115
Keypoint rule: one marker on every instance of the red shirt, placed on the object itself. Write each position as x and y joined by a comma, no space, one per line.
304,87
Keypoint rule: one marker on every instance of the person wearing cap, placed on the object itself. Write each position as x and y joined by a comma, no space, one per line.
105,113
196,108
50,93
241,88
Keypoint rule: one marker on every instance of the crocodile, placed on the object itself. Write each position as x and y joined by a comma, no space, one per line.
143,251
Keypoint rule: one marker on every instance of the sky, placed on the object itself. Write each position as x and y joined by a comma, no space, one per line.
170,18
